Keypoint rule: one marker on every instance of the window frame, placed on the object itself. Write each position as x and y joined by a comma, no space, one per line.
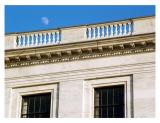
112,84
34,95
18,93
91,84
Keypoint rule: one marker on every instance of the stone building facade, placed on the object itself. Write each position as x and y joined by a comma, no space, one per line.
97,70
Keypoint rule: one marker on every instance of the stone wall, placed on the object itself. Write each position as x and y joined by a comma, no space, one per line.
73,76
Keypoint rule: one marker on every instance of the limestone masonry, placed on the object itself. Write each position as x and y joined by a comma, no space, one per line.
75,64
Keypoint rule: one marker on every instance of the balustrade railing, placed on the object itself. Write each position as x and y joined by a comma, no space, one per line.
97,31
109,30
38,39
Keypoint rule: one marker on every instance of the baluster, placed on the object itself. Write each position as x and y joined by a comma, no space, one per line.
98,32
32,39
129,28
107,33
54,37
89,33
102,31
116,30
28,36
23,41
40,40
45,38
94,32
18,41
60,36
36,40
125,29
57,37
120,29
132,27
49,38
111,30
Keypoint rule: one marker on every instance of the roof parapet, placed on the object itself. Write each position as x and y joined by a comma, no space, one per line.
80,33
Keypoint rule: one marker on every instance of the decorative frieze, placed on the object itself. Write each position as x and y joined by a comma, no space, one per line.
79,57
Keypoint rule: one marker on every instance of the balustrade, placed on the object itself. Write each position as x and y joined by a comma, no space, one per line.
98,31
109,30
80,33
38,39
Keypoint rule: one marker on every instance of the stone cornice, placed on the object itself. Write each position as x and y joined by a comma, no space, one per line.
79,51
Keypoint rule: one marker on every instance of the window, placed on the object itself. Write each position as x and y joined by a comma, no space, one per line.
36,106
109,102
29,89
123,85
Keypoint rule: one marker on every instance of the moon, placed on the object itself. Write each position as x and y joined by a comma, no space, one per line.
45,20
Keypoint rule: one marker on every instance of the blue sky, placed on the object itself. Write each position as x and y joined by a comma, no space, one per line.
30,18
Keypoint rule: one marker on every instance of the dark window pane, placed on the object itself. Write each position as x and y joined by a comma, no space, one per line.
104,112
110,112
31,105
36,106
119,111
121,95
109,102
100,112
43,104
104,97
48,103
116,96
110,96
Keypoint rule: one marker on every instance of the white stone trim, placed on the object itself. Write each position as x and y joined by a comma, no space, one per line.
89,90
17,93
